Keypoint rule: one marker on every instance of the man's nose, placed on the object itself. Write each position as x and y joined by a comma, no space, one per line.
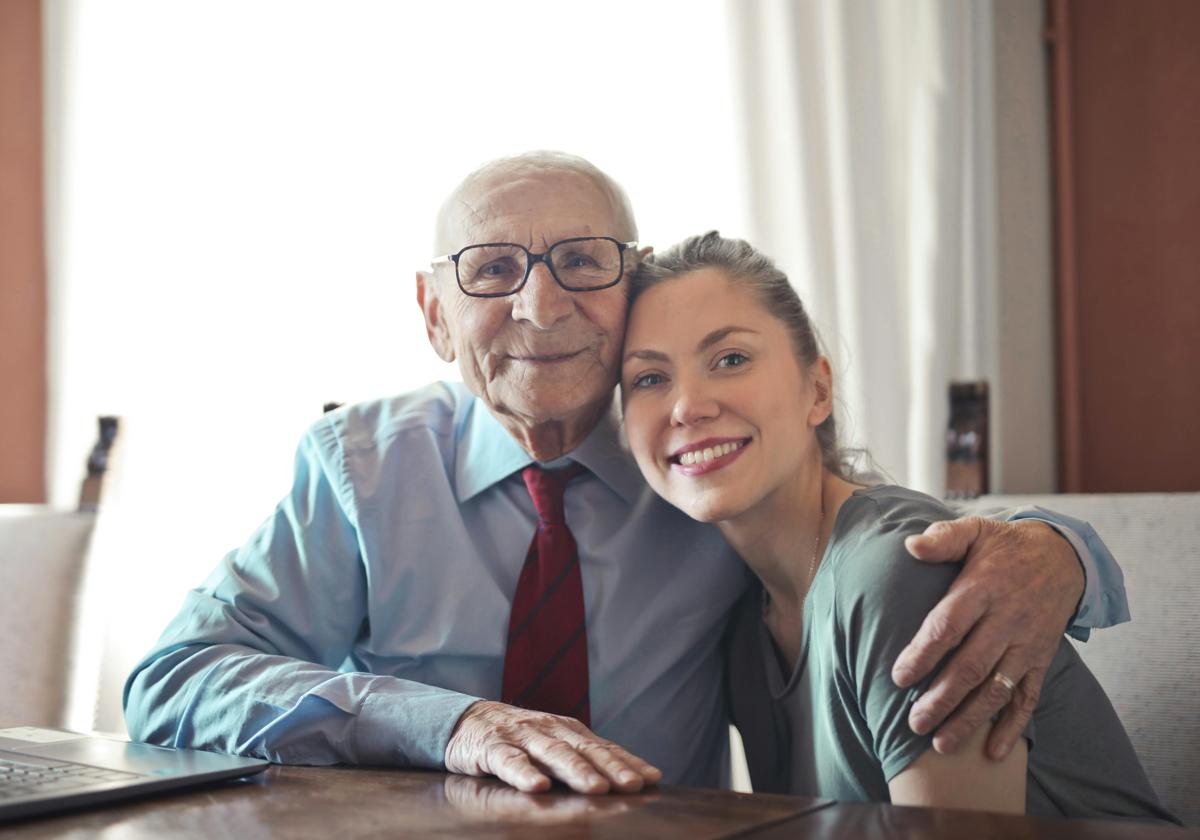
542,302
694,404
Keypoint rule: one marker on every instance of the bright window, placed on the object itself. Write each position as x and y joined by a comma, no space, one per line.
241,191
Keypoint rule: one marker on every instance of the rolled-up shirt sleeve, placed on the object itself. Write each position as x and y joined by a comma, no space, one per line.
1104,603
253,663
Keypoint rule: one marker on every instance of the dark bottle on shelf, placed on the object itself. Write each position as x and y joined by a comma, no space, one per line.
967,441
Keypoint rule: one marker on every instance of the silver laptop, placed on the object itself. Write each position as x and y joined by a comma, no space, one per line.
45,771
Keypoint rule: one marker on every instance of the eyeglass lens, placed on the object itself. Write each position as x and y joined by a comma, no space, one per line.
579,264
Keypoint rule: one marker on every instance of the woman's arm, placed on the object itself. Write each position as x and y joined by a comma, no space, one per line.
966,778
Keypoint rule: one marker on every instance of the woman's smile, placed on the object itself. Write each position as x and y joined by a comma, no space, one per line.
707,456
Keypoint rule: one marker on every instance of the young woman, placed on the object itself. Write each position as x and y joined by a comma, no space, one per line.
729,412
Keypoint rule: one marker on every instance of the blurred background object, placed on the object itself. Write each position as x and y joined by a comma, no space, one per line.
97,464
967,453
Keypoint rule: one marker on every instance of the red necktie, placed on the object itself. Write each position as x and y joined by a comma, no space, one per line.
546,664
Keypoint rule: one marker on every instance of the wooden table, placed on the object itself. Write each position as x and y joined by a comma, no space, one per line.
345,802
869,819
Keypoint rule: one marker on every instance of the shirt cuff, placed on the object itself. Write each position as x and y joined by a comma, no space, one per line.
408,724
1103,603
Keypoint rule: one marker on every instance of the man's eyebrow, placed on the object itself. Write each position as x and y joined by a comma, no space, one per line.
716,335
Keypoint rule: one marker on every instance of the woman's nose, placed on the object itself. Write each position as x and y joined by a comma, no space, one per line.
693,404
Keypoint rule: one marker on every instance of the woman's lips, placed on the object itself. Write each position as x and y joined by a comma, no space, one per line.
703,466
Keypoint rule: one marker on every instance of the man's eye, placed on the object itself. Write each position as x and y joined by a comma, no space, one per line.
495,269
733,360
578,261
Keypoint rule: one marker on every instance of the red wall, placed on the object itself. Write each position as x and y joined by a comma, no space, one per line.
22,262
1127,117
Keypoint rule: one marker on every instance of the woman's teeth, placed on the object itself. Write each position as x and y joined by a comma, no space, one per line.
703,456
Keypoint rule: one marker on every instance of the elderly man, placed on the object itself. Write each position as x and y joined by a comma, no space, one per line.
476,577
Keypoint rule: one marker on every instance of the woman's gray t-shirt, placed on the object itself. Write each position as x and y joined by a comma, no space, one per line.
837,726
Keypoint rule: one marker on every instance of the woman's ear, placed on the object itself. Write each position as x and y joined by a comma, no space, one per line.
435,322
821,374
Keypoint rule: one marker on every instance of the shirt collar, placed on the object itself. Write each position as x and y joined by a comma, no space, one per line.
605,452
488,454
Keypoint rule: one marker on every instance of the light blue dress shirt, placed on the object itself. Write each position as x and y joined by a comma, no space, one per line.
370,610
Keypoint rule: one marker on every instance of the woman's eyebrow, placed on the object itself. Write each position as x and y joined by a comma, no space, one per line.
647,355
706,342
716,335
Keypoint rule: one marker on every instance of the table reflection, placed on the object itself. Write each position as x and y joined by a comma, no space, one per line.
487,800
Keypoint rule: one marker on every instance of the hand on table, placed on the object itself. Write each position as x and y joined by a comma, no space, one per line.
1006,612
529,749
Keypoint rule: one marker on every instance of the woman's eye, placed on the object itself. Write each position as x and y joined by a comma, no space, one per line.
732,360
647,380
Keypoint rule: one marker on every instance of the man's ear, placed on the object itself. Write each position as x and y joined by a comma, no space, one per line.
435,322
822,381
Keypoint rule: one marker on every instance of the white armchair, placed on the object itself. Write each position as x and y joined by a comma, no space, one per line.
41,565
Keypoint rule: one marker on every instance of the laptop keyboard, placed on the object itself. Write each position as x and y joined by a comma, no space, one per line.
18,780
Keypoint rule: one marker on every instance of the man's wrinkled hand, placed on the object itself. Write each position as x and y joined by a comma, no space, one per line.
1020,585
529,749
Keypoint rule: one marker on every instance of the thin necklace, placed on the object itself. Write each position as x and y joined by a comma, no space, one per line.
812,565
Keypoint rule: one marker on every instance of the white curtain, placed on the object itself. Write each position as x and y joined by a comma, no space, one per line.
867,129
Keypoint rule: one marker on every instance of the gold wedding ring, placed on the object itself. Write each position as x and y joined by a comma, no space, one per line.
1005,681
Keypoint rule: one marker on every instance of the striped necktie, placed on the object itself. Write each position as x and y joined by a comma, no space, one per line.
546,663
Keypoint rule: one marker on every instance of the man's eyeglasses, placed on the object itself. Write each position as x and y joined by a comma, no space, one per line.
580,264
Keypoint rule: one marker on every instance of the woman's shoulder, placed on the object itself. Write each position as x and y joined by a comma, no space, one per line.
867,553
880,517
888,509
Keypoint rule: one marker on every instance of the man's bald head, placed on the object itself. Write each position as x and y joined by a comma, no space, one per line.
461,204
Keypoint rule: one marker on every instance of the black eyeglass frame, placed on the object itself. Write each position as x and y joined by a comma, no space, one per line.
531,259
